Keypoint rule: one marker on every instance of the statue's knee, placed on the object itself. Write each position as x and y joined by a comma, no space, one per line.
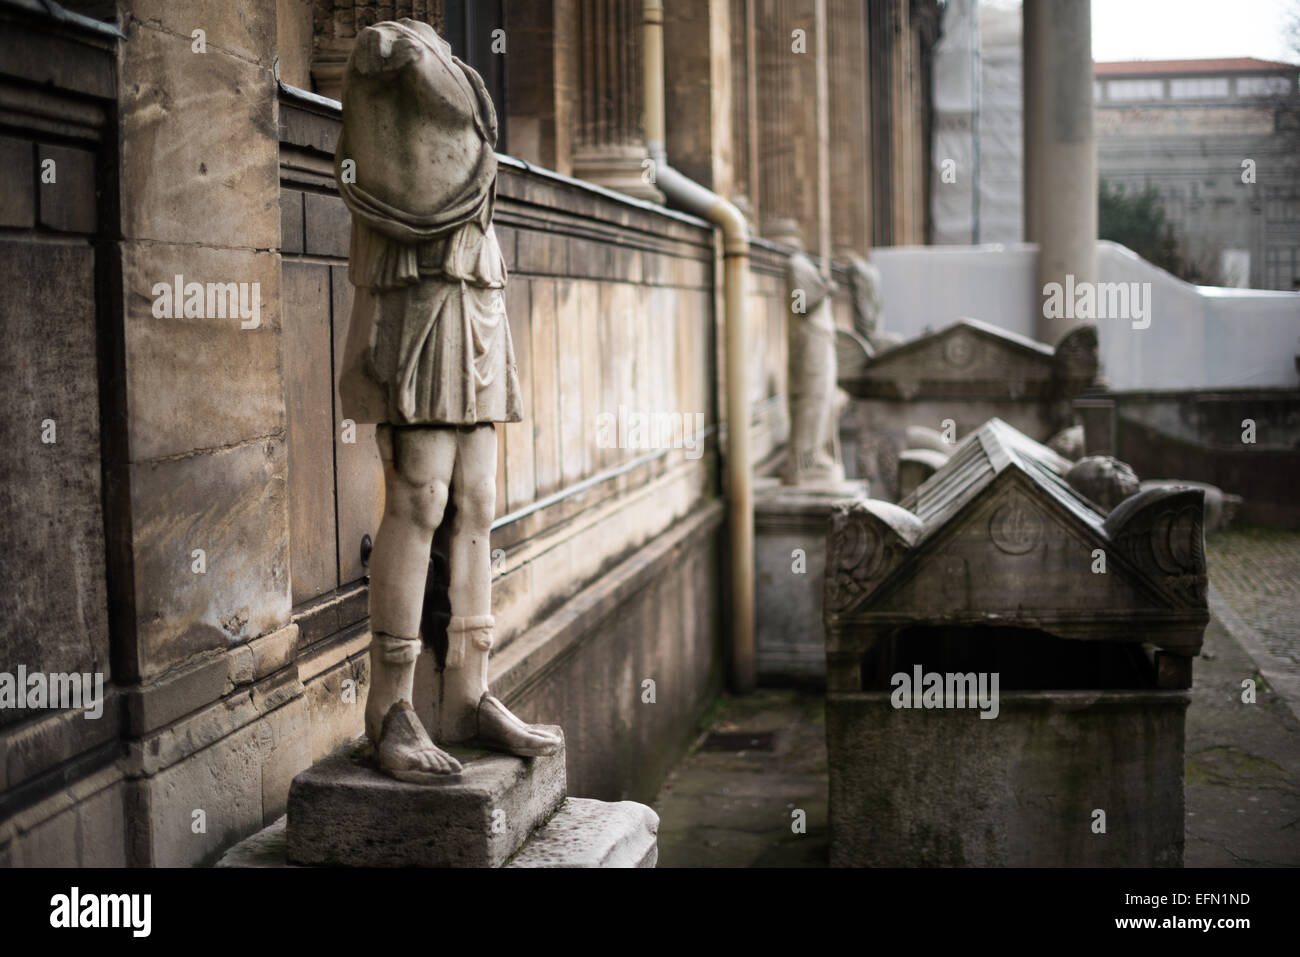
424,504
476,505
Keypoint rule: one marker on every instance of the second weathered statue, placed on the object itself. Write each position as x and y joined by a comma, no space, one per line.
810,352
430,360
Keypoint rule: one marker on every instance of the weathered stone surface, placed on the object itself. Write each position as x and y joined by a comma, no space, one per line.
328,226
180,177
239,783
344,812
200,383
943,788
589,833
269,847
246,30
53,597
231,504
69,203
151,705
1220,507
82,826
582,833
291,222
915,466
17,203
789,572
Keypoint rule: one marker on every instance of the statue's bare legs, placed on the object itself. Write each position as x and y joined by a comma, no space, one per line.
421,465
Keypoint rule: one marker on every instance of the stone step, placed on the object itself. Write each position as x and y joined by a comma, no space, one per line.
589,833
501,811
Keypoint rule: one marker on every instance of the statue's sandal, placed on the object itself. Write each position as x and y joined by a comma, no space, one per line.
500,730
406,751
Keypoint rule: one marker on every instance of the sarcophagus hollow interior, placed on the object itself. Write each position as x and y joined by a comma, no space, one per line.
1008,665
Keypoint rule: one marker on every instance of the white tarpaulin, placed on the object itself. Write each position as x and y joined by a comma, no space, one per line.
978,146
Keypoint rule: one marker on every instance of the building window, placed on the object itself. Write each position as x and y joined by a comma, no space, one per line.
1135,89
1263,85
1199,88
1282,268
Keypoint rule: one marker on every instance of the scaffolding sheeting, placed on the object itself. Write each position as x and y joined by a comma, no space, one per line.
978,145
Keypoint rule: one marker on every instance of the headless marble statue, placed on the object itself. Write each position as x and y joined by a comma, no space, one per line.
429,359
810,351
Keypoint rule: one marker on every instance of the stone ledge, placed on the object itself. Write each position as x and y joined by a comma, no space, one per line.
582,833
589,833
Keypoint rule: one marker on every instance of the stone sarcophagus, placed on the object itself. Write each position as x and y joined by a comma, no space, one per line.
965,374
1008,663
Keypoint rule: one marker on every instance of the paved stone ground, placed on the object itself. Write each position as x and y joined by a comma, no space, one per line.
733,809
1243,760
1255,590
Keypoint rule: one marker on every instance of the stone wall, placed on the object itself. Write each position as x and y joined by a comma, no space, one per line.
62,786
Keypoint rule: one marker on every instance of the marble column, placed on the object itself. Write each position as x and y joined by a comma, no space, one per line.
1060,149
609,138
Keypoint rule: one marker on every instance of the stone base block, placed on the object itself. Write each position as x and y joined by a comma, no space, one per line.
589,833
947,788
343,812
582,833
790,526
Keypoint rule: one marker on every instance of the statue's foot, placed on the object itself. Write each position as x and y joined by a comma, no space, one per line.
502,731
407,753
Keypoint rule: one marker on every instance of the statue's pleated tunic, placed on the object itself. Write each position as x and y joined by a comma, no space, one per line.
429,341
439,348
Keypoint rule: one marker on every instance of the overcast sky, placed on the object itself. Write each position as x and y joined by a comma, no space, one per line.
1192,29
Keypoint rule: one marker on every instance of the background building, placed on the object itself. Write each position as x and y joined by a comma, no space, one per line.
1189,128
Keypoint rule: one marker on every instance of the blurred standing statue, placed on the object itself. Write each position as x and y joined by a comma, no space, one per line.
428,358
810,344
868,316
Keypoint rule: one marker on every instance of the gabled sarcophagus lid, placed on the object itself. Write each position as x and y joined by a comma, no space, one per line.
974,360
998,537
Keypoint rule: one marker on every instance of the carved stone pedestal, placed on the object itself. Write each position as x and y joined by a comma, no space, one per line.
790,524
500,810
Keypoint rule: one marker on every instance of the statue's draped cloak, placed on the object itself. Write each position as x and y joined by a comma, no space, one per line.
428,341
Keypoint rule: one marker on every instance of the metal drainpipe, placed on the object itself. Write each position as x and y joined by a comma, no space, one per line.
694,198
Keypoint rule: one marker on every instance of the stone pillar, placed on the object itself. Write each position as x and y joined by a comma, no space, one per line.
609,139
1060,149
698,91
793,123
335,26
744,109
205,429
902,137
539,82
881,181
850,152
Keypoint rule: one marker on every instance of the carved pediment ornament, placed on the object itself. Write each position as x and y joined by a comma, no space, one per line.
1015,527
867,542
959,350
1161,530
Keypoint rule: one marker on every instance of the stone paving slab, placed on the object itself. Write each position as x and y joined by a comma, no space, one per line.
1255,591
736,808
